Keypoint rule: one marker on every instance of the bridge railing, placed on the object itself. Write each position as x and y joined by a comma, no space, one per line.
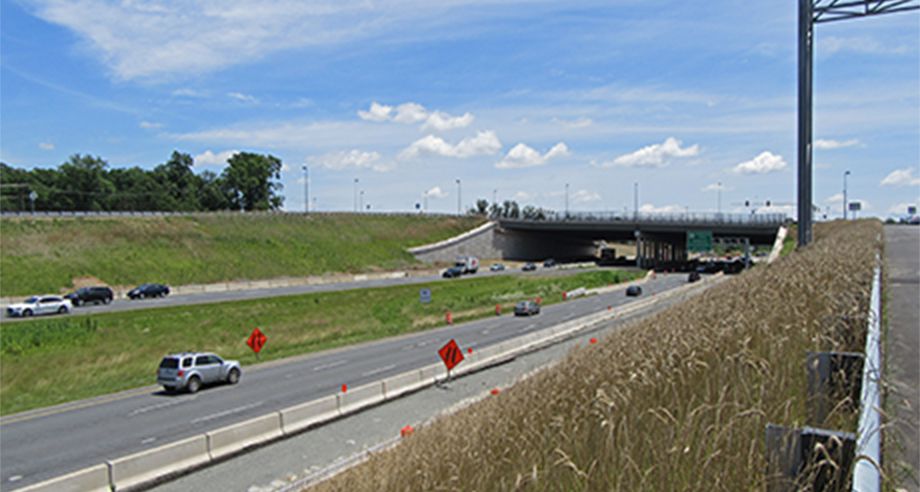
666,218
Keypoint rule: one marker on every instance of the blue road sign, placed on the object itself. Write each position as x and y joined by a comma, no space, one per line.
424,295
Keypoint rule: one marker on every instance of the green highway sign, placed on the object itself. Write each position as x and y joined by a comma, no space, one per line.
699,241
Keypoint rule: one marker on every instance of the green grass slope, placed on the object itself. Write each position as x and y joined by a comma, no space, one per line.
46,255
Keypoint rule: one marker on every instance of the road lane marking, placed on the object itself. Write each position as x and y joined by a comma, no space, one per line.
485,332
378,371
15,478
148,440
330,365
158,406
227,412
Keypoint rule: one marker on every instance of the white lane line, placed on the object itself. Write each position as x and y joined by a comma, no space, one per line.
485,332
378,371
421,344
527,328
158,406
330,365
227,412
148,440
15,478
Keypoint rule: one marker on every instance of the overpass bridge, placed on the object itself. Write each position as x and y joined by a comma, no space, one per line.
661,239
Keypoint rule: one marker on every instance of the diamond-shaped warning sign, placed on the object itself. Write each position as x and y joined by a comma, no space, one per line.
256,340
451,354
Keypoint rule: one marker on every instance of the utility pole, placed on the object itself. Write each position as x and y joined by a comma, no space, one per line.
636,200
567,200
356,195
361,202
306,189
845,194
459,199
719,201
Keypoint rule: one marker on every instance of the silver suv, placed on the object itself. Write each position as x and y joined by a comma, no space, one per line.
191,370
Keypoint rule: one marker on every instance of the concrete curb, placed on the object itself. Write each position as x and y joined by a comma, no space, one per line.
150,465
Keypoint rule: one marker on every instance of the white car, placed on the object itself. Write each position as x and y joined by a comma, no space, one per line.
36,305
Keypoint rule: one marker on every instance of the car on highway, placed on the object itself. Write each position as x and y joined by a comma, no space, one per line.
549,263
496,267
144,291
38,305
190,371
526,308
94,295
453,272
529,267
634,291
693,277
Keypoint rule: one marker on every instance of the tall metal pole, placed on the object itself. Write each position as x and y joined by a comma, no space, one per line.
636,200
719,201
361,202
806,45
495,196
845,194
306,189
459,199
566,200
356,195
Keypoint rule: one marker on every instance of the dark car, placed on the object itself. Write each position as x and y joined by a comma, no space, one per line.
526,308
529,267
634,291
94,295
549,263
452,272
693,277
148,290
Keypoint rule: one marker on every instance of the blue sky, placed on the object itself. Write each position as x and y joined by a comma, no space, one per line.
516,98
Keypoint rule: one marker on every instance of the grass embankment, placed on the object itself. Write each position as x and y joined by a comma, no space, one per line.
675,402
47,255
54,360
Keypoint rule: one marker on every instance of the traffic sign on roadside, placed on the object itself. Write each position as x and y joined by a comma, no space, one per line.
699,241
256,340
424,296
451,354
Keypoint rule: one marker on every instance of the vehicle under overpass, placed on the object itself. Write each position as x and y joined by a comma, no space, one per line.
661,239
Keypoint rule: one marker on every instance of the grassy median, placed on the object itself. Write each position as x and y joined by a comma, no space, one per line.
678,401
51,254
53,360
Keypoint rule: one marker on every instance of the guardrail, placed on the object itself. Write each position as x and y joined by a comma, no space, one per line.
152,465
866,473
155,213
668,218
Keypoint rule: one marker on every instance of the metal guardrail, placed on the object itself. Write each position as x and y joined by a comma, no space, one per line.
668,218
866,473
83,213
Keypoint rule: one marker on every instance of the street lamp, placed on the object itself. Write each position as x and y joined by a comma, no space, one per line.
845,194
356,195
458,196
306,189
719,201
636,200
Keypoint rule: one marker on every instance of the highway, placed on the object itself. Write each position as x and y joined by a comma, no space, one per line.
248,294
40,445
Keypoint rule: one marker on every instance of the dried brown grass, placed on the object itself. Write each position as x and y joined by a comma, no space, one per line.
678,401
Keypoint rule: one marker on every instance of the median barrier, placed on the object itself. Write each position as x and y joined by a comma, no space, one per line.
299,417
360,397
401,384
228,440
216,288
146,466
360,278
432,373
92,479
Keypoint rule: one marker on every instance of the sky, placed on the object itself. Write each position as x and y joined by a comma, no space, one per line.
531,101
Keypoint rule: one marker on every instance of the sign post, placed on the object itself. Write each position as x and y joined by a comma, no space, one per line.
451,355
424,296
256,341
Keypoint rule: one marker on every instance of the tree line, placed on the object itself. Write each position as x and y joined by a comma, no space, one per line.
86,183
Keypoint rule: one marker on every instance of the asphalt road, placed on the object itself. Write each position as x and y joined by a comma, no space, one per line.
240,295
36,445
902,254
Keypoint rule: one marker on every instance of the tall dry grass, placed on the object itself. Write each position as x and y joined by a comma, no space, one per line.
678,401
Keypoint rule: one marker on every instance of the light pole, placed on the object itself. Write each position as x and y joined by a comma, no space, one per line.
495,196
306,189
425,202
636,200
361,202
719,201
566,200
845,194
356,195
458,196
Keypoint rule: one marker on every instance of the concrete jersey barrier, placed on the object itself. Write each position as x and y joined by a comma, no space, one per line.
92,479
228,440
300,417
360,397
146,466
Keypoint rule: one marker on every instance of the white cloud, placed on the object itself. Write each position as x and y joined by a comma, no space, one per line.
585,196
655,155
208,158
865,45
442,121
835,198
576,123
484,143
765,162
648,208
245,98
521,156
186,92
901,177
352,159
901,208
377,112
436,192
822,144
410,112
149,125
522,196
715,187
285,167
46,145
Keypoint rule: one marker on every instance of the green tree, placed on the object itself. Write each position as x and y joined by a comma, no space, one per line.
250,181
211,194
83,183
179,182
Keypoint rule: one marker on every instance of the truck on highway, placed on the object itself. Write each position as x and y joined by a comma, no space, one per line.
468,264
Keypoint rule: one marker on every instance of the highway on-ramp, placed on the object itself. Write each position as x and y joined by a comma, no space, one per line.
35,446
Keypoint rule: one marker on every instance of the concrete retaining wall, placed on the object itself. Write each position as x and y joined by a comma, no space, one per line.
229,440
138,468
